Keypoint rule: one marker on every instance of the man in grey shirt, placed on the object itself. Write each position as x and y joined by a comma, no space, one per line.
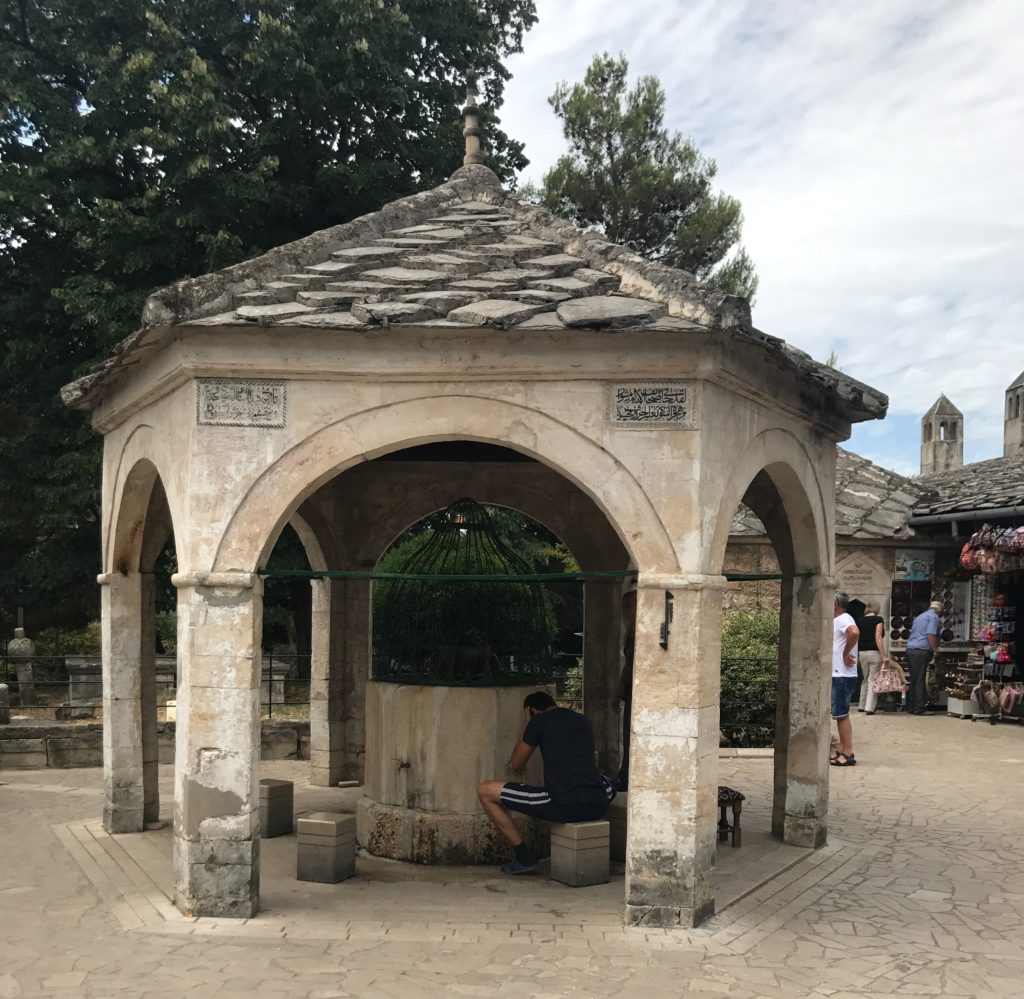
922,644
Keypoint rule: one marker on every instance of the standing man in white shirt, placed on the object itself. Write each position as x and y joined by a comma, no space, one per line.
844,678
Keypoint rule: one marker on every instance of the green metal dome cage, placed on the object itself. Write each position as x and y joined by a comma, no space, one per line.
466,610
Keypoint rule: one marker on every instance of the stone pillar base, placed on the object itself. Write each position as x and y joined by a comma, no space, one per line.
667,917
218,877
439,837
810,832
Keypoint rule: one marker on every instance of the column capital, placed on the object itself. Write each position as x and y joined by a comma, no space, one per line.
215,580
681,581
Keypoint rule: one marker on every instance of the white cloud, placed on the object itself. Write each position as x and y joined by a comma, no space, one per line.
876,148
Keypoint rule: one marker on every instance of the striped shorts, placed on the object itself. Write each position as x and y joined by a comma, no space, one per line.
536,801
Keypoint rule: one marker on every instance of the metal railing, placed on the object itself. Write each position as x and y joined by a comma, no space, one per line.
70,688
747,714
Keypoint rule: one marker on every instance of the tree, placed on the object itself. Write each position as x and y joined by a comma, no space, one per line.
142,142
642,185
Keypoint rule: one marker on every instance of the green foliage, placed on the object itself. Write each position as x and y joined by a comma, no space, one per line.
167,632
570,694
751,634
69,641
750,671
142,142
454,628
644,186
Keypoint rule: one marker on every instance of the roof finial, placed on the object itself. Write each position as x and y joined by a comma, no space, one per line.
471,124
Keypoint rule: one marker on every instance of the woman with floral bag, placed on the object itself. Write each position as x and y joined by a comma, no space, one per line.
873,656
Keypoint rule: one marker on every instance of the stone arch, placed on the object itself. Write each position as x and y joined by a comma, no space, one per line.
579,523
778,478
141,519
142,466
378,431
784,484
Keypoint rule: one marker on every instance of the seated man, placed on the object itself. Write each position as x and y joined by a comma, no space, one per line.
574,790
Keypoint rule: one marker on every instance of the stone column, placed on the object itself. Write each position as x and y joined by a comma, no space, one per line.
21,651
121,635
325,726
147,697
217,747
602,665
673,774
800,803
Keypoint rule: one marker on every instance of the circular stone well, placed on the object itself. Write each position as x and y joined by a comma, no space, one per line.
427,749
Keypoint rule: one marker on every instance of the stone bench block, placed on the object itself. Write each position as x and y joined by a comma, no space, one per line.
327,847
579,853
277,801
618,812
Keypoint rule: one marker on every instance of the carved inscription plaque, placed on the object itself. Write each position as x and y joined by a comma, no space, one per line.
664,405
242,402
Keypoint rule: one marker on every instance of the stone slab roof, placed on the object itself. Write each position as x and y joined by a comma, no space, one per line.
942,407
871,502
463,255
977,488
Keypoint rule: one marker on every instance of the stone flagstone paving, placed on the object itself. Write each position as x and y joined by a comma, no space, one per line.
920,893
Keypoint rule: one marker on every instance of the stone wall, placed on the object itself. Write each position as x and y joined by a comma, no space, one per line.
61,747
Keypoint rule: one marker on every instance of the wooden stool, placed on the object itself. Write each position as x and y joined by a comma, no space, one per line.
327,847
579,853
277,801
726,797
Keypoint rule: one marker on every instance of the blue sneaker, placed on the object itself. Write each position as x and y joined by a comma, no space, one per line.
514,867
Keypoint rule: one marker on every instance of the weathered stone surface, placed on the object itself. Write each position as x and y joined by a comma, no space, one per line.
448,262
5,704
595,276
324,299
558,263
579,853
536,295
518,275
393,312
600,312
277,311
331,268
476,284
444,301
328,320
496,312
256,298
277,805
405,275
570,286
366,254
542,321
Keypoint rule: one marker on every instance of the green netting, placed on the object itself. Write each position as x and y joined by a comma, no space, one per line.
457,631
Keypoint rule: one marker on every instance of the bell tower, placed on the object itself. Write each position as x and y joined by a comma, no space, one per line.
1013,418
942,438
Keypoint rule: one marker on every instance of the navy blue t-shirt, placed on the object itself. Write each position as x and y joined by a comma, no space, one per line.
566,743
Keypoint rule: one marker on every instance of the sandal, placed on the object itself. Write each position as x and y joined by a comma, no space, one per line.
843,760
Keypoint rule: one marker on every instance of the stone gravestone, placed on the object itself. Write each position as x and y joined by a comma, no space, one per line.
5,705
21,651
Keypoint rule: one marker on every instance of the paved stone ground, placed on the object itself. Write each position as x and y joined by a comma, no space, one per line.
920,893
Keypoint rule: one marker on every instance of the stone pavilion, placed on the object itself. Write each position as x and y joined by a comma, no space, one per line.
314,386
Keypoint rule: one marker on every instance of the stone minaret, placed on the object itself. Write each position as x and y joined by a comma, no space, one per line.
942,438
471,125
1013,418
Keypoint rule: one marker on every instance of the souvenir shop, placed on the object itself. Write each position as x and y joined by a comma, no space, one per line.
989,683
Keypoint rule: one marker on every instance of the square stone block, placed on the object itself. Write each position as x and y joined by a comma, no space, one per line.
277,798
327,847
618,813
579,853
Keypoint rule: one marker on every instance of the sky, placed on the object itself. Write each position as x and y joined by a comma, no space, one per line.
877,150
